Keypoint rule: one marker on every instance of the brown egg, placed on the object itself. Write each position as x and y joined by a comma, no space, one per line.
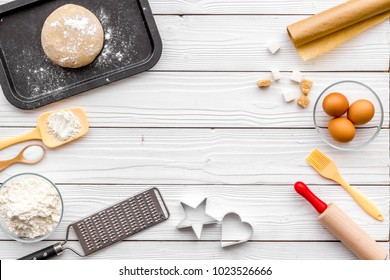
341,129
361,112
335,104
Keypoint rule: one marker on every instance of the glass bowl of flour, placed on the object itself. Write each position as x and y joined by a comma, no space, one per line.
31,207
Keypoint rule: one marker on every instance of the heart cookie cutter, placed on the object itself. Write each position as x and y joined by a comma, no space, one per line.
234,230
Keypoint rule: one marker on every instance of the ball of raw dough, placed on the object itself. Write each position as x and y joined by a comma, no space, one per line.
72,36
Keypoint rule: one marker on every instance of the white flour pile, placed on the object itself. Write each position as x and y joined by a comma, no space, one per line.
63,125
30,206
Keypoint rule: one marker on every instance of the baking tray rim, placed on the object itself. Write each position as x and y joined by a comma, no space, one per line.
15,99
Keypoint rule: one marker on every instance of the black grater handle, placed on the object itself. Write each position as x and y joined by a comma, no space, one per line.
45,253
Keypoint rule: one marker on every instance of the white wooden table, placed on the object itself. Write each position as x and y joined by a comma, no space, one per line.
197,126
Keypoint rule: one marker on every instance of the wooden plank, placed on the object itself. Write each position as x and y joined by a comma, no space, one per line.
276,212
237,6
182,99
201,156
197,250
240,6
239,43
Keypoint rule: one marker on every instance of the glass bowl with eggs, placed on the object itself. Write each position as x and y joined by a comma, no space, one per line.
348,115
31,207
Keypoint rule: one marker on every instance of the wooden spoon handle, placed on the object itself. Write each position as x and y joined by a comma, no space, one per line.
34,134
5,163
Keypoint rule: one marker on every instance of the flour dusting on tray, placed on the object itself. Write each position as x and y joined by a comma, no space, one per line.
33,80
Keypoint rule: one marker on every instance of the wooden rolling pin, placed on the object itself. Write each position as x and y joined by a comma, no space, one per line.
343,227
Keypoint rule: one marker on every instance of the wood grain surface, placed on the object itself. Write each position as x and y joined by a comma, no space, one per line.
201,156
276,212
158,250
197,99
239,43
241,7
197,126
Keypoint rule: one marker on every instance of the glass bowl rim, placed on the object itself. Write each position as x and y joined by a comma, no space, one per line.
366,142
33,240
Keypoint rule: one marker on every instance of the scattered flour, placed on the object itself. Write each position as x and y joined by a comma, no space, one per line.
119,56
63,125
81,24
76,23
113,42
30,206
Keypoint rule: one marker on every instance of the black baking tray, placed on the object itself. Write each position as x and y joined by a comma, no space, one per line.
30,80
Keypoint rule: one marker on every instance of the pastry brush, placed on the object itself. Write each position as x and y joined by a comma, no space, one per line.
328,169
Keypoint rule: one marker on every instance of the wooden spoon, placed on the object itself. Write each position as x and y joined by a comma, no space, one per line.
21,158
41,131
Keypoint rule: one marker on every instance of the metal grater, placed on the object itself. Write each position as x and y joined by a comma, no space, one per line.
118,222
112,224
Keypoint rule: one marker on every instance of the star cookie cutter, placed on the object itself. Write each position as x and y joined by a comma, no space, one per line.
196,218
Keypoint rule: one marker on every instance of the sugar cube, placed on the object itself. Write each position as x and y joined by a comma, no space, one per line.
288,95
306,86
303,101
275,74
273,47
296,76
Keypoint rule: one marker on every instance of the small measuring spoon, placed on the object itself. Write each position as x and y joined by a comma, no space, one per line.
29,155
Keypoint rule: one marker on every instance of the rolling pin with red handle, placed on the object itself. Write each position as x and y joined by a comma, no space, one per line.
343,227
